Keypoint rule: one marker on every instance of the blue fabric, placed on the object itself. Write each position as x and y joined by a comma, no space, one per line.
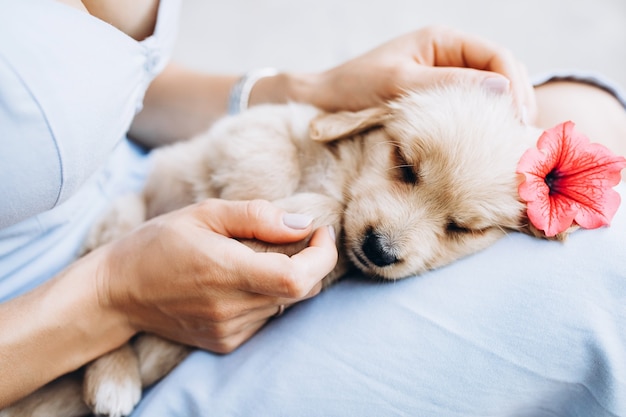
60,117
70,85
34,250
526,327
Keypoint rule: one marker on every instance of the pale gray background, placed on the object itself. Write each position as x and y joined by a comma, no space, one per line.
311,35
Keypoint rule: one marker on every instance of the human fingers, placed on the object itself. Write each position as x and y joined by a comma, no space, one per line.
490,81
222,326
503,62
242,308
220,341
452,48
227,335
243,328
254,219
292,277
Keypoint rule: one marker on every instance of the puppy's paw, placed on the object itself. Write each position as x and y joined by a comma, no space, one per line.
115,398
112,385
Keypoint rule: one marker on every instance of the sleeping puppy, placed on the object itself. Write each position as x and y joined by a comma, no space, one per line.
409,186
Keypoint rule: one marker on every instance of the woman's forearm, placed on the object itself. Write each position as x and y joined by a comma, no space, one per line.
56,328
182,102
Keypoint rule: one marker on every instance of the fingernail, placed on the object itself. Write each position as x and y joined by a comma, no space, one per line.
297,220
331,232
498,85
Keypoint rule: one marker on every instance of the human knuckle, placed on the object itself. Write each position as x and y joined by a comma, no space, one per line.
205,205
225,346
256,208
221,331
219,314
293,284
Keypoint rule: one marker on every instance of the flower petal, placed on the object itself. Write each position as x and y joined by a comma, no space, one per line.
534,167
600,214
541,160
592,160
552,215
569,179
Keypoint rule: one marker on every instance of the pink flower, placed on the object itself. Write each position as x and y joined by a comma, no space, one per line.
569,180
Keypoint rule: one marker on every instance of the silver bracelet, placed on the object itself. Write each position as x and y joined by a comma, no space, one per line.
240,93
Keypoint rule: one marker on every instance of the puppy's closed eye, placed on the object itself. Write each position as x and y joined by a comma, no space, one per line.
404,170
452,227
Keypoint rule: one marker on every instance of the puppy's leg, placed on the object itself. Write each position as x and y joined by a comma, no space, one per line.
112,385
157,357
60,398
125,214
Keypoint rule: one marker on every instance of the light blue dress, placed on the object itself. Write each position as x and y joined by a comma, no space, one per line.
524,328
63,151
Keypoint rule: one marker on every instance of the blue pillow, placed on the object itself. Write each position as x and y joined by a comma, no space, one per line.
526,327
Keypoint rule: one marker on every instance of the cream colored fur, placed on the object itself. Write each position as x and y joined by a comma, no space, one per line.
410,186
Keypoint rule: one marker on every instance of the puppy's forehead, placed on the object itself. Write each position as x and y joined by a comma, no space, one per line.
465,143
456,121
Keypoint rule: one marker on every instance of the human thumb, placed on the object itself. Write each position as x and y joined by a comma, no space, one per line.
256,219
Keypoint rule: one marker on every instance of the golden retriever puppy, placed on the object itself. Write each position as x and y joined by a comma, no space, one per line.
409,186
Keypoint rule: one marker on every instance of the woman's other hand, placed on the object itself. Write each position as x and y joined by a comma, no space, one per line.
185,277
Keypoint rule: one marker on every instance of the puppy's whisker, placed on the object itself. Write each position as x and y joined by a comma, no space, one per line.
372,147
399,166
386,143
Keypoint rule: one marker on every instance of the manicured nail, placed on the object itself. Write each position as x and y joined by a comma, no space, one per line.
498,85
297,221
331,232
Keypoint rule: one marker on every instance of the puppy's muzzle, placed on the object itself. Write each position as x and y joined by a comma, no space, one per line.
377,250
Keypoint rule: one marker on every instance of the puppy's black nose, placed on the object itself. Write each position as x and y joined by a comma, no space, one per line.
377,251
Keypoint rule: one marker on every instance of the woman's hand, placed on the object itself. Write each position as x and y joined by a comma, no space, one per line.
183,275
182,102
417,59
422,58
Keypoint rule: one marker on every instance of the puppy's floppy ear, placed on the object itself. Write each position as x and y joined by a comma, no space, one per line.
332,126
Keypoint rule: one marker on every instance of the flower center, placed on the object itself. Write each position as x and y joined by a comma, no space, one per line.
551,180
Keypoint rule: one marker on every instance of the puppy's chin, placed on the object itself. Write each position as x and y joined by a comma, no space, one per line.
386,273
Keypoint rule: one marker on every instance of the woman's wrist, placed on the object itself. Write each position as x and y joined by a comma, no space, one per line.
283,88
56,328
89,320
